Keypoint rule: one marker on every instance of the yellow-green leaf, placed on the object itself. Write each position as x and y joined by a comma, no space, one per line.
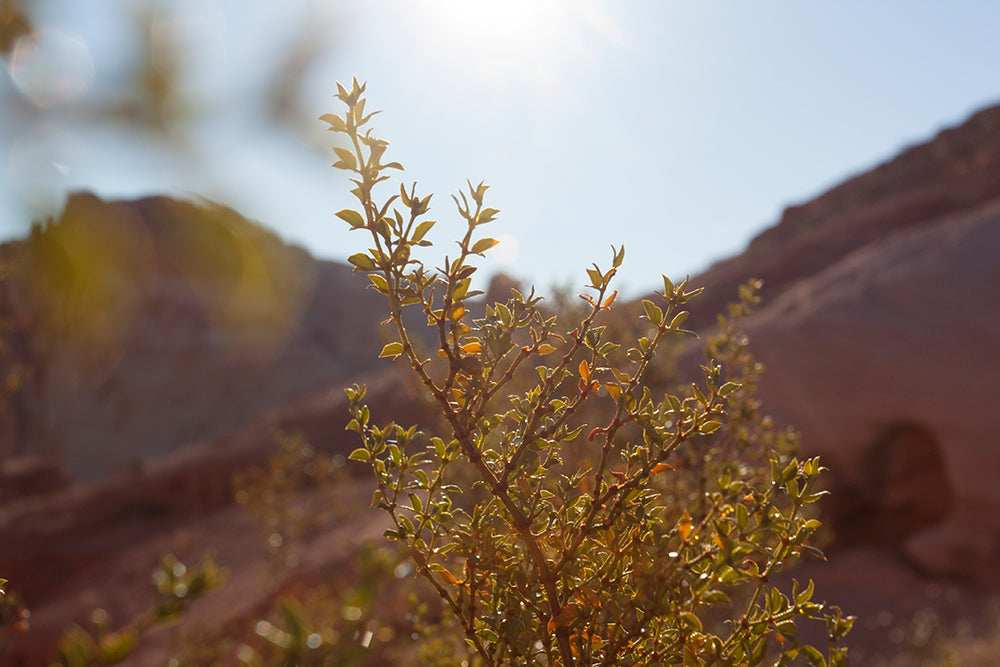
710,427
482,245
347,159
653,312
362,261
336,123
422,230
487,215
351,217
116,646
691,620
392,350
679,319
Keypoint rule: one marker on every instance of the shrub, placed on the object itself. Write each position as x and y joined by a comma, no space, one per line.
568,516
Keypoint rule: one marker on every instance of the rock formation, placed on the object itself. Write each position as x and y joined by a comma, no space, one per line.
879,333
148,325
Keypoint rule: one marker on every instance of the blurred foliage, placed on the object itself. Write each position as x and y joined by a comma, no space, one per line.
334,624
14,23
14,616
147,94
274,495
348,617
176,586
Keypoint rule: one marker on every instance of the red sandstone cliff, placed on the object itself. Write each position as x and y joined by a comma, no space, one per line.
879,333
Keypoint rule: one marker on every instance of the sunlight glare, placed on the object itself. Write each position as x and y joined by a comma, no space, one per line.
506,44
507,252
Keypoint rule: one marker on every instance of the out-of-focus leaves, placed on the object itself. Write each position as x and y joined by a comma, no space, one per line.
14,23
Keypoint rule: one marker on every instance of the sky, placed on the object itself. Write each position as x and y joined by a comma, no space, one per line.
679,129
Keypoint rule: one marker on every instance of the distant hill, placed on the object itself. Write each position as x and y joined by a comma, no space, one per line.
141,326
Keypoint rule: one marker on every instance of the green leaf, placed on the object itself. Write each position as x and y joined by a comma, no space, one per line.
814,551
392,350
709,427
805,595
360,454
117,646
362,261
347,159
668,287
788,628
619,257
653,312
351,217
482,245
715,597
679,319
415,503
336,123
422,230
728,388
487,215
813,654
742,516
380,283
691,620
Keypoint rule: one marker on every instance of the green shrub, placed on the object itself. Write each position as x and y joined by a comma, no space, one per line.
577,519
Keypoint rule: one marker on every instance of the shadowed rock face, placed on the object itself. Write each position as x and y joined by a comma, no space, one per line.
879,333
903,331
152,324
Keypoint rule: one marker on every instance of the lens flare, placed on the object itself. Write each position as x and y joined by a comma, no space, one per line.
52,67
507,251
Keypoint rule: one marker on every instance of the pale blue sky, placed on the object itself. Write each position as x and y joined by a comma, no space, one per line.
680,129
